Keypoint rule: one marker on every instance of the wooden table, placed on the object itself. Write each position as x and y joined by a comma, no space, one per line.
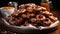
57,31
56,13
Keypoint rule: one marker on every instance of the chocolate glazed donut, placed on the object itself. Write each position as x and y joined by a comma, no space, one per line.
31,14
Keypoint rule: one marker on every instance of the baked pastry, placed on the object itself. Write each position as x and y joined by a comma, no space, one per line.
31,14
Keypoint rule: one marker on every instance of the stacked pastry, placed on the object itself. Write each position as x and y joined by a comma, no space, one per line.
31,14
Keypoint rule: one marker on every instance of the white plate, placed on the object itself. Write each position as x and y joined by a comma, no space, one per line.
30,26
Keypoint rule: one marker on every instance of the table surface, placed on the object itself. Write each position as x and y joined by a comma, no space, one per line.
56,13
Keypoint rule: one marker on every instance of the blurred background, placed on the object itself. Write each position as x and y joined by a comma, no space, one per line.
56,3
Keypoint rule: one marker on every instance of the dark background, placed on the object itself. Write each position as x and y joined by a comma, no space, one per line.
56,3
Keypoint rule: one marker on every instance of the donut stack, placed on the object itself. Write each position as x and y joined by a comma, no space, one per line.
31,14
